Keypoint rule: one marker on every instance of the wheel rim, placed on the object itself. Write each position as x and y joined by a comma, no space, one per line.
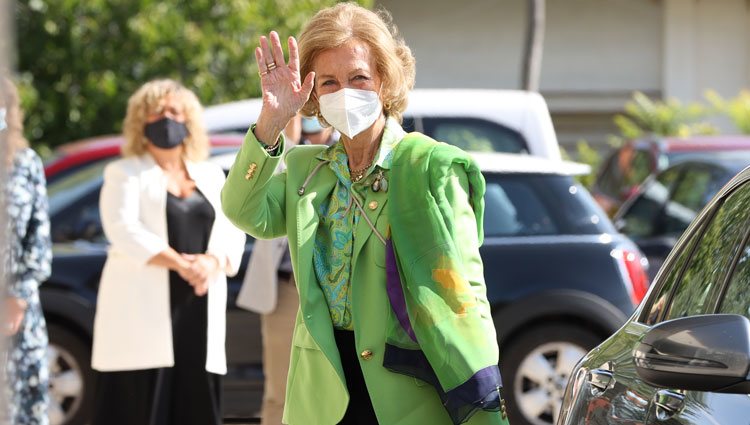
65,384
541,378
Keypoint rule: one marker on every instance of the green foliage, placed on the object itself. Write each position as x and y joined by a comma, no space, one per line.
80,60
737,109
586,154
644,116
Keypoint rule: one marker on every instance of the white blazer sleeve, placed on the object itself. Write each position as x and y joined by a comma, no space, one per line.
230,243
119,205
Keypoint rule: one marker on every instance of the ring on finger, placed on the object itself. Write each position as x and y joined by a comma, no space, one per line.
271,66
263,73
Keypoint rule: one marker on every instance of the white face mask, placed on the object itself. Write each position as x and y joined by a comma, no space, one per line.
351,111
3,123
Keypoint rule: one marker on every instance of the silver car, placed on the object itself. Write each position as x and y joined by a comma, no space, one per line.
684,356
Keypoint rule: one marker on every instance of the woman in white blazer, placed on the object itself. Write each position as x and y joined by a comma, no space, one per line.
161,312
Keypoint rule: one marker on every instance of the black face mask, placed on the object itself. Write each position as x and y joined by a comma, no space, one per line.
166,133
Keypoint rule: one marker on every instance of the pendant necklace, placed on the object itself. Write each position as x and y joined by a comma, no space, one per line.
380,183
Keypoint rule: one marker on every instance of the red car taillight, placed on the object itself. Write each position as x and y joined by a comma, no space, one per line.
633,268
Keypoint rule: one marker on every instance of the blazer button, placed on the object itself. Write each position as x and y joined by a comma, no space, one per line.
251,171
366,355
373,205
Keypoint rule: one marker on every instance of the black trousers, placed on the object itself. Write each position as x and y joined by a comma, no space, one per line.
359,411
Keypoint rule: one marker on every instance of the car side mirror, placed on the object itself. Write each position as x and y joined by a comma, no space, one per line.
699,353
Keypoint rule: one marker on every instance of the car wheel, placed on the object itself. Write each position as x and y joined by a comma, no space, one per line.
536,365
71,378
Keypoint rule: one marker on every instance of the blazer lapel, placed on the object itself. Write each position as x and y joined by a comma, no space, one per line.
373,205
308,219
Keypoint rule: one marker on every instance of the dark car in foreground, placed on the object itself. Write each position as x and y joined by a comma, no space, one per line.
683,358
631,164
665,204
559,278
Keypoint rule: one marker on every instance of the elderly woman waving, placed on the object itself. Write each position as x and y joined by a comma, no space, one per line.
384,230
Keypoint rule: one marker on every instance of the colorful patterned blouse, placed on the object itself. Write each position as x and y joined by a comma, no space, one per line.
334,240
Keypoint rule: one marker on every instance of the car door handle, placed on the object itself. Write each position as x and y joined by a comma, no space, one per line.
668,403
601,380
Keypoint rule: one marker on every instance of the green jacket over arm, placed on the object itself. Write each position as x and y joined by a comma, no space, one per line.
267,206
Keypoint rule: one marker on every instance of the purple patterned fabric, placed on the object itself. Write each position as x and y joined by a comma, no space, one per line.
480,392
395,291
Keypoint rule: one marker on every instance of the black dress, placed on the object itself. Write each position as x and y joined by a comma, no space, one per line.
185,394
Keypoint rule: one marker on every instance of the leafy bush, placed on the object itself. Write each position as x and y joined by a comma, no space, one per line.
644,116
79,61
737,109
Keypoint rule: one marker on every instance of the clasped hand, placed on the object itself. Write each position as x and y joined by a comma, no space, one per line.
196,269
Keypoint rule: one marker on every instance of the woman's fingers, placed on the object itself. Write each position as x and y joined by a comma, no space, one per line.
278,53
308,84
293,54
262,68
266,50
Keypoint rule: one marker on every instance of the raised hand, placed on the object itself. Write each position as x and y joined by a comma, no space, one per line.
284,93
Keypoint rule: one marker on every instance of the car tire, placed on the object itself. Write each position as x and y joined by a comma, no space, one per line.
536,365
71,377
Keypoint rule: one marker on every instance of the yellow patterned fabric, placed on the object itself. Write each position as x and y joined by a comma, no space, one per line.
334,240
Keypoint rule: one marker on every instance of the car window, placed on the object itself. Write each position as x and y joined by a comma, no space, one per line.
626,169
80,220
514,209
639,169
640,219
658,301
408,124
473,134
737,298
692,192
708,265
530,205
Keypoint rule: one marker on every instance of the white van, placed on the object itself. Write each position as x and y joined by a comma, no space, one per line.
510,121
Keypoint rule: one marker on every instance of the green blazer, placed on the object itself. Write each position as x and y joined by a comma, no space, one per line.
268,205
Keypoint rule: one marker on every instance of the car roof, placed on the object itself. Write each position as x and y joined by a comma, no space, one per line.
514,105
500,163
695,143
733,162
522,111
93,149
506,163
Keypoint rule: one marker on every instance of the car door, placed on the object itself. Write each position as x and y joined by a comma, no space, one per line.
722,255
690,284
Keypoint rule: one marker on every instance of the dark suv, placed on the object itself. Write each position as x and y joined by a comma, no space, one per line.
630,165
559,277
683,358
665,204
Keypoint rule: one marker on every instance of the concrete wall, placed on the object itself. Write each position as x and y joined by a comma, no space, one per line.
591,45
707,46
597,52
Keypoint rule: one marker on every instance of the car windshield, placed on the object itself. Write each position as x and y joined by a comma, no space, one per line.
534,205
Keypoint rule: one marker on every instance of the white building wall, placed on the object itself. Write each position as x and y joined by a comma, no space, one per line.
590,45
597,52
707,46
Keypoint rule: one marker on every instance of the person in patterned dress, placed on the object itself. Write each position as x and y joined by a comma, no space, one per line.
28,261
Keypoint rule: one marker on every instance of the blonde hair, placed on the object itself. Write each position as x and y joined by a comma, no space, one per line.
334,26
12,136
146,101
